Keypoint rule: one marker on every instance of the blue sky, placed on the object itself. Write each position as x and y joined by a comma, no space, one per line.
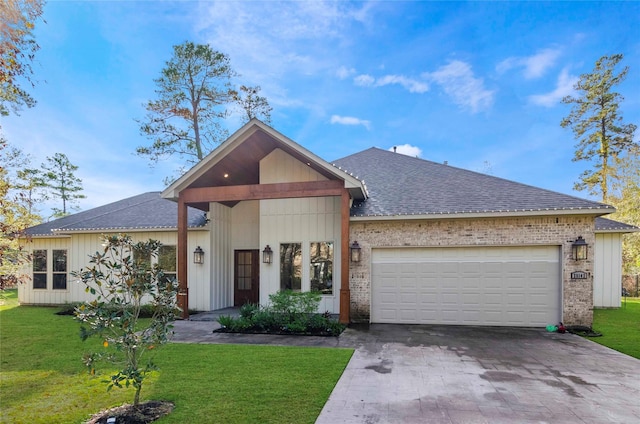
475,84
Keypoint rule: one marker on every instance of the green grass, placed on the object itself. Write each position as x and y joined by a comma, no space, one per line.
620,327
43,380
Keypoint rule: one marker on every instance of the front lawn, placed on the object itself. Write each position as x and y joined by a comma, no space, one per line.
43,380
620,327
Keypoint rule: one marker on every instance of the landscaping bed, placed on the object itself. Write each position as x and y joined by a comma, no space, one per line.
288,313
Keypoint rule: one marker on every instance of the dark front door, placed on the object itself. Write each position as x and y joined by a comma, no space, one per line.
246,285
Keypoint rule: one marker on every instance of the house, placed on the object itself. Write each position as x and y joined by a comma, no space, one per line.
384,237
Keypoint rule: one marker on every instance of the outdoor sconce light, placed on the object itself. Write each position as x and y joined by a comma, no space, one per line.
355,251
579,249
198,255
267,255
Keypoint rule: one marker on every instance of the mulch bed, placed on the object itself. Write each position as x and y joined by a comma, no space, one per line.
144,413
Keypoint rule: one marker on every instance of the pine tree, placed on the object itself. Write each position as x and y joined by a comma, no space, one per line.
61,183
597,125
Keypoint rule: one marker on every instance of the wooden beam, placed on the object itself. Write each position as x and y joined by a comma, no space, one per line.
345,291
263,191
183,287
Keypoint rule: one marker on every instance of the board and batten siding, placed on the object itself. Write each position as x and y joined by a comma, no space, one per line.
80,246
27,295
306,220
220,278
607,278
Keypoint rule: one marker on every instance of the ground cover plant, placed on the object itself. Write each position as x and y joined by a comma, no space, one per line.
620,327
288,312
42,378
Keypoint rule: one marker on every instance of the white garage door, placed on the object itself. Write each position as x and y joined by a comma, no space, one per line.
498,286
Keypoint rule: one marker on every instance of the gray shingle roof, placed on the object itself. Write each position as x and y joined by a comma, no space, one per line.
144,211
605,225
404,185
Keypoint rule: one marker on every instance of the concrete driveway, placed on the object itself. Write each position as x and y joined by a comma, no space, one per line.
446,374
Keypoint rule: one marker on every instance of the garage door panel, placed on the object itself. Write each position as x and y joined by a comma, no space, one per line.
516,286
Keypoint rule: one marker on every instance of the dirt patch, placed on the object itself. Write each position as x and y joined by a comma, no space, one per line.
144,413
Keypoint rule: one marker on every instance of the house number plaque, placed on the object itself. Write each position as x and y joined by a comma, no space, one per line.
579,275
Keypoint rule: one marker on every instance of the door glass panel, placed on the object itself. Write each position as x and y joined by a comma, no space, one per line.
244,271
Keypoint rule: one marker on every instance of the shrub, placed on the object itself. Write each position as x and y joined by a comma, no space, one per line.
249,309
288,313
295,303
225,321
296,327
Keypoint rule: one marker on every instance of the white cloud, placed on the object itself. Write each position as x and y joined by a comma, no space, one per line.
268,42
350,120
364,80
564,87
411,85
414,86
343,72
407,149
458,81
534,66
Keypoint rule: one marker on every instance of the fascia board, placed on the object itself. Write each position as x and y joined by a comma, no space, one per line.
488,214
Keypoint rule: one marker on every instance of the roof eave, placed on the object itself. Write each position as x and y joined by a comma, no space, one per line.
617,230
483,214
69,232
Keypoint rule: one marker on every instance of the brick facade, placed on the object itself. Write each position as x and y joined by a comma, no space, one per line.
577,295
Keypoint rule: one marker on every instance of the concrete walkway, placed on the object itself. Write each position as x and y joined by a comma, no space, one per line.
450,374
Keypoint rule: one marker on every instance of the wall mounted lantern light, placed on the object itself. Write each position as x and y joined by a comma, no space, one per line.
198,255
267,255
355,251
579,249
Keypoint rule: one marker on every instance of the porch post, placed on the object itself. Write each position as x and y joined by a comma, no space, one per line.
345,292
183,288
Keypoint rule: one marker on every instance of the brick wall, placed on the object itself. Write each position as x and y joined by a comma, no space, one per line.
522,231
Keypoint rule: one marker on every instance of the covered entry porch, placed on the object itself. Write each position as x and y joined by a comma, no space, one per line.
261,189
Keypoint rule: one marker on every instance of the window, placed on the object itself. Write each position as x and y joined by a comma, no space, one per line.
142,259
39,269
167,261
291,266
321,267
59,269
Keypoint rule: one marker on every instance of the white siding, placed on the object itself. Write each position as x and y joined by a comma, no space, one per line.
80,246
198,275
28,295
607,272
221,256
297,220
245,225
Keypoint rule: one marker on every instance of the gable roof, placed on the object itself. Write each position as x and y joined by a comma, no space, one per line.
236,162
401,186
147,211
605,225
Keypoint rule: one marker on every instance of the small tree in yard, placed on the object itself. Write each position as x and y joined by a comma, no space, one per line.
122,277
